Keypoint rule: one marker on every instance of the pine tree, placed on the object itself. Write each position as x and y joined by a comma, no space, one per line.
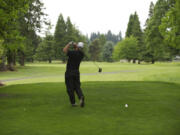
59,38
129,30
156,49
134,29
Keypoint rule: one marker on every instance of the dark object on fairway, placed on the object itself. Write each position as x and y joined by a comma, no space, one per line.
100,70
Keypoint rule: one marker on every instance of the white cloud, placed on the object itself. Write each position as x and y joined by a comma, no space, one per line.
98,15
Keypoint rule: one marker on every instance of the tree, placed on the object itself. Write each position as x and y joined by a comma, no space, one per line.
107,51
95,50
9,14
129,31
1,50
109,36
59,36
102,41
9,11
45,51
170,26
71,31
120,36
30,23
134,29
151,12
156,48
126,49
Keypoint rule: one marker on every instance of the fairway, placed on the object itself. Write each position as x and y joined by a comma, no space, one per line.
43,109
44,72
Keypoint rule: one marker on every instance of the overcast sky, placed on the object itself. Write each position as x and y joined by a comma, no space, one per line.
98,15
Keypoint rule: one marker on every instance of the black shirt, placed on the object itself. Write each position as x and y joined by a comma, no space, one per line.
74,60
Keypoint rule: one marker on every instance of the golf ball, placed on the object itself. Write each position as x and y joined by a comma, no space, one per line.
126,105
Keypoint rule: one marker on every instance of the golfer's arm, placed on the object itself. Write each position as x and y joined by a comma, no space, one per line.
66,48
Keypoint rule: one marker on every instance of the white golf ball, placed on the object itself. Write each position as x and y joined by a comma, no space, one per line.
126,105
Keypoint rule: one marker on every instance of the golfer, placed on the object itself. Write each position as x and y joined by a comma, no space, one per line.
72,75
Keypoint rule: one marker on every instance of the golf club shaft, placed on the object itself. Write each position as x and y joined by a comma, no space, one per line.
96,64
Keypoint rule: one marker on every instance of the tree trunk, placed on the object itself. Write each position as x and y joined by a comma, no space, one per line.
139,62
153,61
50,61
21,58
10,61
2,64
14,57
134,61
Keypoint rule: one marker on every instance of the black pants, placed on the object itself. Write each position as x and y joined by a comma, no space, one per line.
73,84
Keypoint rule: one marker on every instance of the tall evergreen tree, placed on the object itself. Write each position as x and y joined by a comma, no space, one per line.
59,36
120,38
129,31
150,14
134,29
156,49
71,31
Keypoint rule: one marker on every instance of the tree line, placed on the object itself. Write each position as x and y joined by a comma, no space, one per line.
158,41
21,20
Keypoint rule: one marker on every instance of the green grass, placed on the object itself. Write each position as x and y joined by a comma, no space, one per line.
39,105
43,72
43,109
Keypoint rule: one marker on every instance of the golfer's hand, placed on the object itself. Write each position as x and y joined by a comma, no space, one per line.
75,45
70,43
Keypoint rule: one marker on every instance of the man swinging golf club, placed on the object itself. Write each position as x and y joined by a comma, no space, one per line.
72,75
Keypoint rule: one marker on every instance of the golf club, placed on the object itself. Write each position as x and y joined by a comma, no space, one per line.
99,68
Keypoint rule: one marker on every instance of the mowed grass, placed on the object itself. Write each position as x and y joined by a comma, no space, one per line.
43,109
44,72
34,100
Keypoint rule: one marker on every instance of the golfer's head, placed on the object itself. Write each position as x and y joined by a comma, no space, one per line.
80,45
